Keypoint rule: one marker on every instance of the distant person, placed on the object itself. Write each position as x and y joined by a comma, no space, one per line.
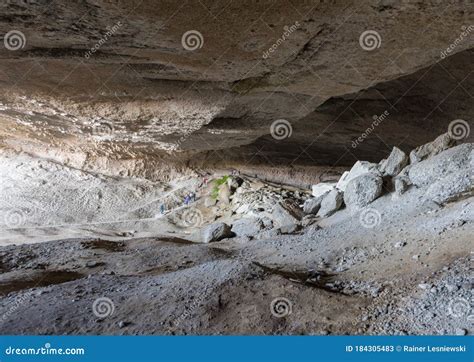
186,200
162,209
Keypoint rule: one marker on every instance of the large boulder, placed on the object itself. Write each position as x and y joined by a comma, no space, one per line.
454,160
342,181
433,148
224,193
312,205
331,203
209,201
452,187
287,212
362,190
359,168
216,232
247,226
322,188
394,163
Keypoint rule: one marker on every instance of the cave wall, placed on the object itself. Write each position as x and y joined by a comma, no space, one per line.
113,87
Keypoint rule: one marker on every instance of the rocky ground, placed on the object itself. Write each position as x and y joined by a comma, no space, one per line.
385,250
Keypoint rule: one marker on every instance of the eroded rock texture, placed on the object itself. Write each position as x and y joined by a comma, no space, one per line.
111,85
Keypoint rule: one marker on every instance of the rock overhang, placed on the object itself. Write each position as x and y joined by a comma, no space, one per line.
120,81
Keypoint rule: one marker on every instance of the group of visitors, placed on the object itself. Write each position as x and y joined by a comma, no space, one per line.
189,198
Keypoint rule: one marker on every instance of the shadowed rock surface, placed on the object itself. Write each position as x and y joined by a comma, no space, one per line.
141,94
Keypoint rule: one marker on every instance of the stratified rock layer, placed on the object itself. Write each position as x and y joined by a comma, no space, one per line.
113,86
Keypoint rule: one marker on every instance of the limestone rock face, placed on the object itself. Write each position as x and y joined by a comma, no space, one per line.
117,87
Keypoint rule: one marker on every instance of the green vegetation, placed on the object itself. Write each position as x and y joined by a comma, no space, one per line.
217,184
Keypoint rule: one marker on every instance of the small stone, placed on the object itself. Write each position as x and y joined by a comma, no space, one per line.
127,233
401,185
290,228
92,264
400,244
460,332
451,288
